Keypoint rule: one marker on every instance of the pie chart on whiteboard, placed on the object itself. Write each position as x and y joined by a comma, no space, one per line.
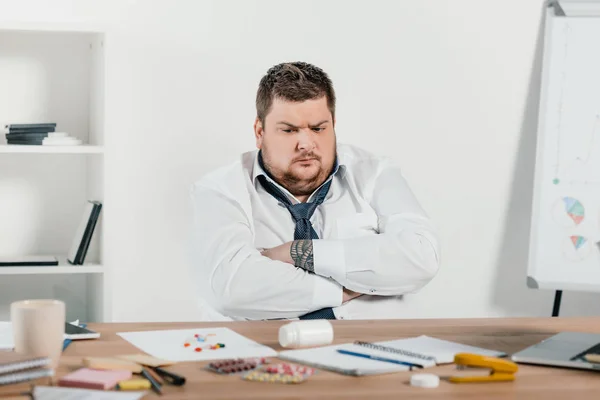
568,212
576,248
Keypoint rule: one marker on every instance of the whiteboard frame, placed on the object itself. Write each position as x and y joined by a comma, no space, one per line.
553,10
532,282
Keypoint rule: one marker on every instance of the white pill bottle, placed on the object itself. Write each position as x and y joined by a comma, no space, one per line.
297,334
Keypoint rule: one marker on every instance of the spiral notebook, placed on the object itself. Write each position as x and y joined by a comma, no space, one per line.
25,376
15,367
422,351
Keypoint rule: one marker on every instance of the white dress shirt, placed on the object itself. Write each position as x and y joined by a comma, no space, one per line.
374,238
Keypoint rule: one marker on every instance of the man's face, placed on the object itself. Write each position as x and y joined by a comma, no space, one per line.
298,144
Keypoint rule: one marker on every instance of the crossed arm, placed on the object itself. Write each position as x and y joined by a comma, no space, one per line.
300,254
243,282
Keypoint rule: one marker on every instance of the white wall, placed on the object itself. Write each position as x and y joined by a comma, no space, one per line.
449,88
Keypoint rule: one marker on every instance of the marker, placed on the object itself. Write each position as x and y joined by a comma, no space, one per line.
377,358
155,385
170,377
156,377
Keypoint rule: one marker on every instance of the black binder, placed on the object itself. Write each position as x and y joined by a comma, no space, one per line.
84,233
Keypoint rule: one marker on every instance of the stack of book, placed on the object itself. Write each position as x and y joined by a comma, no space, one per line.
31,134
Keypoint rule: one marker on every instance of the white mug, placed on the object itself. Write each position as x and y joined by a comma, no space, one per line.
39,328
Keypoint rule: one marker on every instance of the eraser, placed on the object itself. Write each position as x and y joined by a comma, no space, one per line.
425,380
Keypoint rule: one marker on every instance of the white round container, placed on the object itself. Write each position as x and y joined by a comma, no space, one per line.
425,380
298,334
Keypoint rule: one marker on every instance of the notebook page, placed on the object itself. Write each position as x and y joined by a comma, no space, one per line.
328,358
390,352
442,350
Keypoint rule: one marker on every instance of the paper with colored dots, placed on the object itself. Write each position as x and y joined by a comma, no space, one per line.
197,344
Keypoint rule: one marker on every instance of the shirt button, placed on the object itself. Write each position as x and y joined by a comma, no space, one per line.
372,290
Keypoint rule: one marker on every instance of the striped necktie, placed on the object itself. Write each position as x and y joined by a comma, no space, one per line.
301,213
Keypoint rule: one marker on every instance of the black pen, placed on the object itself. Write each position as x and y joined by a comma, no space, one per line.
155,385
170,377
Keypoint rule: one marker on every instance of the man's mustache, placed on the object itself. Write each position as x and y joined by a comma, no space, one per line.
307,156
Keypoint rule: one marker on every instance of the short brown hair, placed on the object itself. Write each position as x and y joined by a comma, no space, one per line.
295,81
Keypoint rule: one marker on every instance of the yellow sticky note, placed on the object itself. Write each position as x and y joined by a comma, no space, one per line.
134,384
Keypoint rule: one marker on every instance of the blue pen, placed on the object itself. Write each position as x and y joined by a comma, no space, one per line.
372,357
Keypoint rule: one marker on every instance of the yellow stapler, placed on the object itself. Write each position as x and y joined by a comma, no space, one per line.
501,370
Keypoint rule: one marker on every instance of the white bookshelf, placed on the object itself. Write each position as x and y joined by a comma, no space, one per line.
53,73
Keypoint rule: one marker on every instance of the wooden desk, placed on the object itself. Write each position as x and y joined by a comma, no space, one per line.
508,335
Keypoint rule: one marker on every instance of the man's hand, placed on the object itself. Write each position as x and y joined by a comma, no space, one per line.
298,253
349,295
279,253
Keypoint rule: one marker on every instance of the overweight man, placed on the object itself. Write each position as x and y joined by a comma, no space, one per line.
305,227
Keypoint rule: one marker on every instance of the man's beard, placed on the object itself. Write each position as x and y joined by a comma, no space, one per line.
302,187
292,182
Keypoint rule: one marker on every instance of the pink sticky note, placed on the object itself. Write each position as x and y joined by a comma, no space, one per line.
94,379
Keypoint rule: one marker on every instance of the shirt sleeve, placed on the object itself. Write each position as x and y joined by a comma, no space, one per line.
404,255
233,276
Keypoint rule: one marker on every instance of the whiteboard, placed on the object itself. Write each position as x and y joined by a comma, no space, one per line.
564,252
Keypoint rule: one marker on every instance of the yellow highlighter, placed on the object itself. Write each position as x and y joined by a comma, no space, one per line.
134,384
501,370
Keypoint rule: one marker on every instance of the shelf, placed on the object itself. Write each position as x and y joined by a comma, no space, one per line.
59,269
41,149
72,27
63,267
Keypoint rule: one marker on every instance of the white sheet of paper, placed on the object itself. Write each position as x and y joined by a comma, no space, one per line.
61,393
170,344
442,350
6,336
